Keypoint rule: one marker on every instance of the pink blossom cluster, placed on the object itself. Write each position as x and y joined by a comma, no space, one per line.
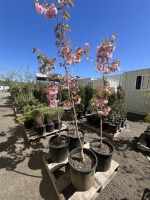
74,58
103,54
49,11
70,83
67,105
105,111
52,91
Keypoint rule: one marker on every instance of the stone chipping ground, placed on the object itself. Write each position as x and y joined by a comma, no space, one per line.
23,174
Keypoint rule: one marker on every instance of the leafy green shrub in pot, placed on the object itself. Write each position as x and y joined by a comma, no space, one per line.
49,115
38,119
26,120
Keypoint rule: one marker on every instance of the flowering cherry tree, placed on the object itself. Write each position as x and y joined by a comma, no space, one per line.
103,55
68,56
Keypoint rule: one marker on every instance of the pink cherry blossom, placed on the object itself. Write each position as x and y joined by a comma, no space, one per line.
39,8
67,105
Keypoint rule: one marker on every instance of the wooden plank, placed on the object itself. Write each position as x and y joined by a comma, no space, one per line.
148,158
142,144
32,135
63,181
105,133
100,182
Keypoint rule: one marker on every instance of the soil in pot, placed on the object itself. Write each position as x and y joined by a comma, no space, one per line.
59,148
74,139
40,129
82,173
50,127
104,154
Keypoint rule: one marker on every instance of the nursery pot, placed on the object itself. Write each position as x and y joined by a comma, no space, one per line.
146,196
82,179
147,137
59,148
58,125
50,127
80,114
104,160
123,123
112,127
40,129
74,140
28,124
89,119
118,123
105,125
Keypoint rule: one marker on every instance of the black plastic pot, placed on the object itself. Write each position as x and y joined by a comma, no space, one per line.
28,124
59,152
104,160
146,196
74,140
79,114
96,122
82,180
50,127
112,128
147,138
118,123
89,119
57,124
40,129
123,122
105,125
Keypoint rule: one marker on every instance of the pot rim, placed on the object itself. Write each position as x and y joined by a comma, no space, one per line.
87,150
55,136
106,142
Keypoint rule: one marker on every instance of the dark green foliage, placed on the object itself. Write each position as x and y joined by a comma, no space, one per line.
89,91
117,103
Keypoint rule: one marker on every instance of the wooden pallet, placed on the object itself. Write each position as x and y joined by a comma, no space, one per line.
32,136
142,144
63,186
105,133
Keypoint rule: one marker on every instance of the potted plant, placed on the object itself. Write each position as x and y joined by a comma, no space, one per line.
59,111
38,119
26,120
71,83
49,115
59,143
102,148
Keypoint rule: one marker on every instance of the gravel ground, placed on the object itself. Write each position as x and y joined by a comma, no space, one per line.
23,175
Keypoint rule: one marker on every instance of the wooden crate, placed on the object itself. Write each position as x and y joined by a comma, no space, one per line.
142,144
105,133
32,136
63,186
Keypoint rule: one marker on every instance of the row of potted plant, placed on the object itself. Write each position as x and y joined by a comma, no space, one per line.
112,125
43,118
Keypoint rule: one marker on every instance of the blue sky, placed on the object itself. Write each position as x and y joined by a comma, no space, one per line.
22,28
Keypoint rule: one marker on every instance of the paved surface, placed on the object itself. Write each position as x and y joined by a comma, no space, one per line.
23,175
22,172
